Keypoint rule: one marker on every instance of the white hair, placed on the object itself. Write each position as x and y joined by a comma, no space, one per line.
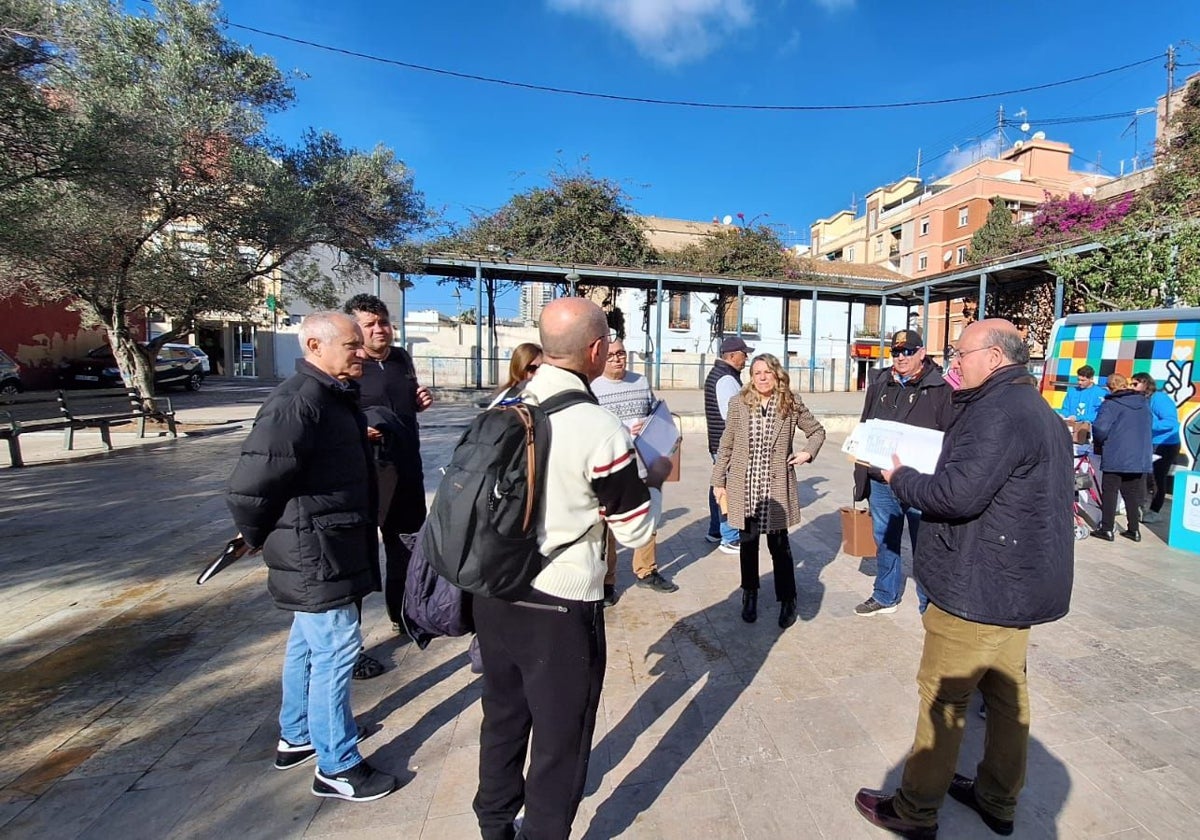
323,326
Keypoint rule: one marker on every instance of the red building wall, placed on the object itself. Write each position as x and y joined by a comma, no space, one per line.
39,337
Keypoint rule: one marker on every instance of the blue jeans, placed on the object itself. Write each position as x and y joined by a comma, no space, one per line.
321,651
887,517
718,525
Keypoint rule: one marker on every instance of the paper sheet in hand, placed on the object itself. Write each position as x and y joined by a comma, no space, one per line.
659,435
875,441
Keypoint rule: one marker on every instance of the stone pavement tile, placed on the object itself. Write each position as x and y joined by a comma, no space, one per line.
453,827
1060,728
682,760
830,799
143,813
70,807
881,704
457,782
1145,740
623,813
408,804
1185,720
1141,798
768,802
251,801
12,804
1178,784
830,723
466,727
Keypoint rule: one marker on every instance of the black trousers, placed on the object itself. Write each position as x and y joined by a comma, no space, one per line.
1132,487
1157,486
543,668
782,564
396,566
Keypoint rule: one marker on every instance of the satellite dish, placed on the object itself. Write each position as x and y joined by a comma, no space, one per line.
1039,135
946,256
1025,127
728,220
1089,190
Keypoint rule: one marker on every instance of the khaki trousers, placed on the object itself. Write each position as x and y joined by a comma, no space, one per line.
643,559
960,656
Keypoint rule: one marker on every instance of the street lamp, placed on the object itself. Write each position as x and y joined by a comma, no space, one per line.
572,278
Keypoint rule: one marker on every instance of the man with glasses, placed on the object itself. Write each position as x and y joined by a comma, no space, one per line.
995,556
628,395
912,392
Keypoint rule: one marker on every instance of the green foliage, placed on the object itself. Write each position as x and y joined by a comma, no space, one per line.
996,237
734,250
135,174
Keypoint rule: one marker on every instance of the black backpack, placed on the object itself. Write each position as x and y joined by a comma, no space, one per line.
481,534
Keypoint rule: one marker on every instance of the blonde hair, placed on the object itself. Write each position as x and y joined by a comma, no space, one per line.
783,385
522,358
1117,382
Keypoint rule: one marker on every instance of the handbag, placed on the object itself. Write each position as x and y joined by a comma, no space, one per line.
858,533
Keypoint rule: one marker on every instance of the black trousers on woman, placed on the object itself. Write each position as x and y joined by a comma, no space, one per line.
1131,486
1167,453
781,560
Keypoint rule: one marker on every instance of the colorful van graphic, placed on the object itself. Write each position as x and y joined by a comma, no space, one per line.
1161,342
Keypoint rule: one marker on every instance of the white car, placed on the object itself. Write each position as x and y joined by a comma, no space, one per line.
195,351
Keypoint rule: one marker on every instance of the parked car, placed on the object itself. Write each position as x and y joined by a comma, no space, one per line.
174,366
10,376
195,351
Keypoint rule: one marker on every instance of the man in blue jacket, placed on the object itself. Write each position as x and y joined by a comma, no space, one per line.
303,491
995,555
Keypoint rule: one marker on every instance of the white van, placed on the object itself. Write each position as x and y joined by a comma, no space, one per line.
1161,342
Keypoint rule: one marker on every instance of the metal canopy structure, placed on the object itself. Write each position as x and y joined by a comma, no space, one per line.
819,281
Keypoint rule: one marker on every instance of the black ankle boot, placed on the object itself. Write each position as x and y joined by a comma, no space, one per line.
1103,534
787,613
749,605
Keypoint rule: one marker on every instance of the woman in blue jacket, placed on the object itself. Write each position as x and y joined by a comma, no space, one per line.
1121,434
1164,435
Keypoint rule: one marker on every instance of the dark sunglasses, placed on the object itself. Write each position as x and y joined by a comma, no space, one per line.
907,351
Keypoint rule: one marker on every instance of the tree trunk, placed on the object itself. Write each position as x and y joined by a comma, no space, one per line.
137,371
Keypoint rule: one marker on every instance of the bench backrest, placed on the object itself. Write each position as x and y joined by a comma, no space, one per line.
25,407
107,401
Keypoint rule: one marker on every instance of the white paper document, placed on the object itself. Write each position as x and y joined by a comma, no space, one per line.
659,435
875,441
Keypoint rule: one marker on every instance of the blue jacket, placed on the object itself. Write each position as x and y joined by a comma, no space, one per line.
1122,433
1164,419
1083,403
996,542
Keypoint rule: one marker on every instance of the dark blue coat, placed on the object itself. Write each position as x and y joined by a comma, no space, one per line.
996,543
1122,433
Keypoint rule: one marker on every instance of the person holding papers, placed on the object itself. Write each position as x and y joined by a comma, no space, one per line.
911,391
754,478
628,395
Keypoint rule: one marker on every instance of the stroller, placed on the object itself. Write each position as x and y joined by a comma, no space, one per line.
1086,505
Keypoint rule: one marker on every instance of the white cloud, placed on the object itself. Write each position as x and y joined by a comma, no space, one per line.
790,45
835,5
668,31
963,156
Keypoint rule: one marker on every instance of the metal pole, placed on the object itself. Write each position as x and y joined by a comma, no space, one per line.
882,326
375,271
1058,297
658,299
850,360
786,324
403,313
741,309
981,313
478,326
925,313
812,349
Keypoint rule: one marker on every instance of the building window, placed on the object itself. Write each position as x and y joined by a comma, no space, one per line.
964,216
1026,217
791,317
871,222
962,254
878,246
922,262
732,315
681,311
850,254
925,226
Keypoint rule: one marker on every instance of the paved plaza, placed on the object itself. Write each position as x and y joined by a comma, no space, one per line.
136,704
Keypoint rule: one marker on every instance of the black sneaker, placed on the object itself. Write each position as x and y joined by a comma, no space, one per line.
610,595
657,582
361,783
873,607
289,755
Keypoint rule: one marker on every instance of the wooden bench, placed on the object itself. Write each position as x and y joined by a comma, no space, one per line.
78,410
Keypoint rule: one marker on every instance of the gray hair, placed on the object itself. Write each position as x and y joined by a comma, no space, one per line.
323,326
1014,348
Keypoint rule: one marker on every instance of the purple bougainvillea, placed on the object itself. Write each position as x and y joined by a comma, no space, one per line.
1075,215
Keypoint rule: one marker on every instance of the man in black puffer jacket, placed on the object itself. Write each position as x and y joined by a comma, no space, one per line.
995,555
303,491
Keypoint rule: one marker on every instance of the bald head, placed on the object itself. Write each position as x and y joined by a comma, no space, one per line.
569,328
1005,335
986,346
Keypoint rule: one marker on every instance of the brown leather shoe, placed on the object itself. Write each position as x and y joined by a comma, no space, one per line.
878,808
962,790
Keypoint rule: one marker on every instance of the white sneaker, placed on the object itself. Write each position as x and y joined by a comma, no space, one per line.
731,548
1151,516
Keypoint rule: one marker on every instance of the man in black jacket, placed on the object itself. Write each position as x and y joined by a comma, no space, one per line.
389,384
303,491
995,555
913,392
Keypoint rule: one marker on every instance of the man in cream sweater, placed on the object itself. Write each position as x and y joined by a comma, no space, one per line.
544,656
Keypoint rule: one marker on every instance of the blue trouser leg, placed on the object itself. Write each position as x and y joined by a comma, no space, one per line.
718,525
887,519
317,667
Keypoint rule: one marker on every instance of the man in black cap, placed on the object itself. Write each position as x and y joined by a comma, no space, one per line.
720,386
911,391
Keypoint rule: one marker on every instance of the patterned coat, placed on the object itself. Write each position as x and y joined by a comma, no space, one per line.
733,461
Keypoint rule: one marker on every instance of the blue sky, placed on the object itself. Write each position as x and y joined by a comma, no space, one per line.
471,145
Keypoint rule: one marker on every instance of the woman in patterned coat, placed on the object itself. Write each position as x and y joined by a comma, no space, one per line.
754,479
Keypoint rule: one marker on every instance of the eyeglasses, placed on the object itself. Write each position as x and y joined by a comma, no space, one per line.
958,354
610,335
616,357
907,351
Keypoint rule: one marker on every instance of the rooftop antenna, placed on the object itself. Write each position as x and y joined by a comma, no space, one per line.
918,164
1001,140
854,204
1023,116
1133,126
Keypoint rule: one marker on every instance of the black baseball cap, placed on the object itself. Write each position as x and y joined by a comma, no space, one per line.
907,340
733,344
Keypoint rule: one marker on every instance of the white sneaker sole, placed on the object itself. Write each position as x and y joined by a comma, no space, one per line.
726,548
880,611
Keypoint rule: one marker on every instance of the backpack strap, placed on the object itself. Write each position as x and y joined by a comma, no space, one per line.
566,399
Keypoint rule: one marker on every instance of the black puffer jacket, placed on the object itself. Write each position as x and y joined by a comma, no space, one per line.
304,490
923,402
996,543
